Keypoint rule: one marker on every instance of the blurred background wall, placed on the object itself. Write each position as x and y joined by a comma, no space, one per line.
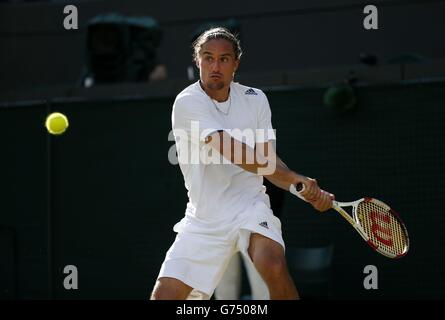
288,35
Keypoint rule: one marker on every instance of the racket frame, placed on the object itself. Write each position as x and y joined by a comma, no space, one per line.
354,221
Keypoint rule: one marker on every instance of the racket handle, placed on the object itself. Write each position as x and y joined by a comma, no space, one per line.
297,189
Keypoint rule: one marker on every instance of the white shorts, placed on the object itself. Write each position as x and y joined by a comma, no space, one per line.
199,259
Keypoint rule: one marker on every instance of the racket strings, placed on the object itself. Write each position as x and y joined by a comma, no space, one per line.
382,227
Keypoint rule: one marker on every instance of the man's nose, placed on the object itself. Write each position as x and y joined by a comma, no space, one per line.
216,66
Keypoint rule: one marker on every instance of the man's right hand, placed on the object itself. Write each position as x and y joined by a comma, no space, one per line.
318,198
323,202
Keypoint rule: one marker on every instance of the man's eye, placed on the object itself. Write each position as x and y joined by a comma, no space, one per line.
224,59
208,58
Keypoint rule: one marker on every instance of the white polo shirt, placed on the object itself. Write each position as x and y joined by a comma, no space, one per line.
220,193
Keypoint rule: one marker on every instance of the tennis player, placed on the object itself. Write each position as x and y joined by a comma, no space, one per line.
223,134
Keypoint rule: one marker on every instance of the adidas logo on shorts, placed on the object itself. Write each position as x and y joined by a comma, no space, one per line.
264,224
251,91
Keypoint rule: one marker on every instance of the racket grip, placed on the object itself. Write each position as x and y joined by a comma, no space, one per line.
297,189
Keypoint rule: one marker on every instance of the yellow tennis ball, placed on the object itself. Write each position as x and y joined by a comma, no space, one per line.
56,123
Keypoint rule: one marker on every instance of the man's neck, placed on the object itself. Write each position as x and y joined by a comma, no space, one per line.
218,95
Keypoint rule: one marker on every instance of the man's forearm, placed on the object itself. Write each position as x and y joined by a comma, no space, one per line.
252,161
242,155
273,169
283,177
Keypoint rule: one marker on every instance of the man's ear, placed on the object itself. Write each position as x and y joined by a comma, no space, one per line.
197,63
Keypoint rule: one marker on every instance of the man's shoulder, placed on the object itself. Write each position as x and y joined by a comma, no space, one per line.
190,94
248,91
191,98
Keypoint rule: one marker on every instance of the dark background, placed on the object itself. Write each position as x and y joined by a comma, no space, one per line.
287,35
104,197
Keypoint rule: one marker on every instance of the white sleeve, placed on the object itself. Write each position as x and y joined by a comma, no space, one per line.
192,117
265,131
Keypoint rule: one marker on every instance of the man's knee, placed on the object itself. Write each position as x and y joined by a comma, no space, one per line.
170,289
268,257
270,265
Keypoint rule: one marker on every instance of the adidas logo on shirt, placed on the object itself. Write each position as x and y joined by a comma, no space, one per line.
264,224
251,91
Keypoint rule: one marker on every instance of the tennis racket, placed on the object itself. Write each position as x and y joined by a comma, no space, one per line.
378,224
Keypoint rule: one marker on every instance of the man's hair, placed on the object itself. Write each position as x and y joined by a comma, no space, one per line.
217,33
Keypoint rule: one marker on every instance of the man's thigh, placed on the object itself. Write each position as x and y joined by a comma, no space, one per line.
198,261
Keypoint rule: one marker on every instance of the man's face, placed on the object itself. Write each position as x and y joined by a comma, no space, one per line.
217,64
